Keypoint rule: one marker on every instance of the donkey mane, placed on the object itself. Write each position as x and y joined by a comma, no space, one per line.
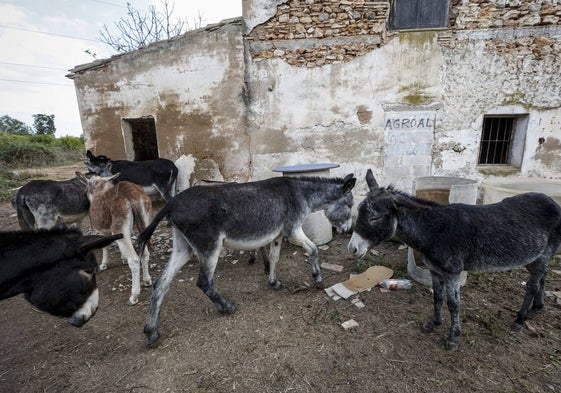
407,200
316,179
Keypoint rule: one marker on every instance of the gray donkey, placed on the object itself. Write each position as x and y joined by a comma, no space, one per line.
523,230
243,216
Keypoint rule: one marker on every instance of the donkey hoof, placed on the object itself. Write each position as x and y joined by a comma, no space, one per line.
102,267
151,336
516,327
451,346
147,283
275,284
226,308
132,301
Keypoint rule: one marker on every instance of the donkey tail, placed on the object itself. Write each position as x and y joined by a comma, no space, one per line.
149,230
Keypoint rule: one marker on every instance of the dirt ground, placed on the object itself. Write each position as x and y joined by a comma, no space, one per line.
289,340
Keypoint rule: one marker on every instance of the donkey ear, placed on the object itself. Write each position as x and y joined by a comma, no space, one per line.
89,154
372,184
409,203
116,175
81,177
91,242
348,183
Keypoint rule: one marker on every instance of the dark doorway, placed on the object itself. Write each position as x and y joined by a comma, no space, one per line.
143,138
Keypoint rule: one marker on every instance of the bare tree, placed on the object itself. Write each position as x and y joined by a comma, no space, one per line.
137,29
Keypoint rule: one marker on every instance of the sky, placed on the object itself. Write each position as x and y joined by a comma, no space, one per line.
40,40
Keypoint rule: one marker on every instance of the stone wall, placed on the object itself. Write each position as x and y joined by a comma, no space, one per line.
312,33
329,23
484,14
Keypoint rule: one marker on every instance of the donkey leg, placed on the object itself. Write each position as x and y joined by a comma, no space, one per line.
541,270
146,279
438,298
274,253
452,284
104,258
266,259
180,254
133,260
205,281
534,291
299,238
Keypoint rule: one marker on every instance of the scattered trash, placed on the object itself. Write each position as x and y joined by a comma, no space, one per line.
234,261
339,291
402,247
324,247
556,272
396,284
358,283
370,278
350,324
374,252
357,302
332,266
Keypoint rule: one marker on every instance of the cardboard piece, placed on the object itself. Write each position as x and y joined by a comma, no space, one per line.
370,278
358,283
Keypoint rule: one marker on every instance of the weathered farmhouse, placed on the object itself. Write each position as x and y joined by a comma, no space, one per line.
409,88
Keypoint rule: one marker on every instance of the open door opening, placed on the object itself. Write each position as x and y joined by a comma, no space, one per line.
141,143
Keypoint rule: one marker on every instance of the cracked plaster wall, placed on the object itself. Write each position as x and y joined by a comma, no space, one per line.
305,81
193,86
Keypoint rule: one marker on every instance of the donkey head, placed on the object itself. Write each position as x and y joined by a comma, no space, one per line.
100,165
338,209
68,288
377,218
95,184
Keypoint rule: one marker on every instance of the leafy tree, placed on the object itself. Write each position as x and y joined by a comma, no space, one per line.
44,124
14,126
137,29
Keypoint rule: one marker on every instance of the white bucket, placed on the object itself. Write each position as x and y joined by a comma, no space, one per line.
497,189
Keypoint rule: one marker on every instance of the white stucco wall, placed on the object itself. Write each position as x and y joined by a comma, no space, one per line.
411,106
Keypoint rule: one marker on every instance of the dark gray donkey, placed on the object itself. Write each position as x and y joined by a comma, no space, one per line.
523,230
157,175
243,216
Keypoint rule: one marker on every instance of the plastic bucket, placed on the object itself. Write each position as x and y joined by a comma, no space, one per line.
497,189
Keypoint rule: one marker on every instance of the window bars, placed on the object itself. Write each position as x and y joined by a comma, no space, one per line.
496,140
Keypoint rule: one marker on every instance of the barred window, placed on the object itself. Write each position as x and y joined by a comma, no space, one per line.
502,140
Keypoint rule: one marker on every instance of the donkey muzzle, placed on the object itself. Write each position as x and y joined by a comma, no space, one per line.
357,245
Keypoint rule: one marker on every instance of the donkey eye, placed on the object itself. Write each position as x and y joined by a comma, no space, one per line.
376,216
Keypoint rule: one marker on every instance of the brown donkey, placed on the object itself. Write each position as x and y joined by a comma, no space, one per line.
115,209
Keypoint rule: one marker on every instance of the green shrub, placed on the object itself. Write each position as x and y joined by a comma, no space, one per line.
47,140
26,154
24,151
70,143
